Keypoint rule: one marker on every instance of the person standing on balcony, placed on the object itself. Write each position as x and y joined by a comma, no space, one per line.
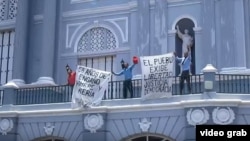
185,67
71,76
127,72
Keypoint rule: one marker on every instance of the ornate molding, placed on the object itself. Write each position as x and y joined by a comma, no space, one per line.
144,125
6,125
124,33
197,116
93,122
223,115
111,10
49,128
74,29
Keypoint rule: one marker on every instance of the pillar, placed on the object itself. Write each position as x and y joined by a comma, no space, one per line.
199,49
49,28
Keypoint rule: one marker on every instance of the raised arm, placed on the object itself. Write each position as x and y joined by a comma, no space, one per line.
179,32
132,66
117,74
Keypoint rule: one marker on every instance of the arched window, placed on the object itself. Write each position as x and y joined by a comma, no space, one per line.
148,137
8,9
96,40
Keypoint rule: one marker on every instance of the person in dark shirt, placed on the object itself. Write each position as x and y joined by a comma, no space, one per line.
127,83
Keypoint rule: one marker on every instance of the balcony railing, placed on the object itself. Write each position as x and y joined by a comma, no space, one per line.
233,83
41,95
59,94
115,87
224,83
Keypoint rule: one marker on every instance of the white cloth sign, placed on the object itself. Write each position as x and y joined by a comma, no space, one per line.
90,86
157,75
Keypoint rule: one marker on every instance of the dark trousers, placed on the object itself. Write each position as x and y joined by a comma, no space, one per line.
127,86
185,76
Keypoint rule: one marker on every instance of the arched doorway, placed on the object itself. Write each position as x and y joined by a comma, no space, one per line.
185,23
148,137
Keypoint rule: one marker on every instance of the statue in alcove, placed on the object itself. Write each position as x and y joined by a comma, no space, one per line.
187,42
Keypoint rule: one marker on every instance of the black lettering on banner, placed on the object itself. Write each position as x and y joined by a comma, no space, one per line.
81,69
158,68
86,92
89,79
92,73
222,132
157,79
163,60
80,84
103,75
147,62
156,85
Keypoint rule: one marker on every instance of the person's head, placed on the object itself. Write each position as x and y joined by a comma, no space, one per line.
186,31
68,69
185,54
126,65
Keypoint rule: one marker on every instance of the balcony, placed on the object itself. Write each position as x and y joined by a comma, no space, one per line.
223,83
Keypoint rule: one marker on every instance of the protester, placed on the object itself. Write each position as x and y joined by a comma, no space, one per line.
185,67
71,76
127,72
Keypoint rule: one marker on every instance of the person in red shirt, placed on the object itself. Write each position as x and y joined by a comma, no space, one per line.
71,76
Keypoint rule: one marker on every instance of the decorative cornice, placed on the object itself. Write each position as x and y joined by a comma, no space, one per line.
125,108
101,10
175,3
95,54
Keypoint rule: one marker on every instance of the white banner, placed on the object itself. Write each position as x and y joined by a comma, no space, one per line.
90,86
157,75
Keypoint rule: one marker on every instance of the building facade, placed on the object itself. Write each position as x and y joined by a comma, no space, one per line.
39,38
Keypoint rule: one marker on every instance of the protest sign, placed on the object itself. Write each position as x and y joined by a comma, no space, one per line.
157,74
90,86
